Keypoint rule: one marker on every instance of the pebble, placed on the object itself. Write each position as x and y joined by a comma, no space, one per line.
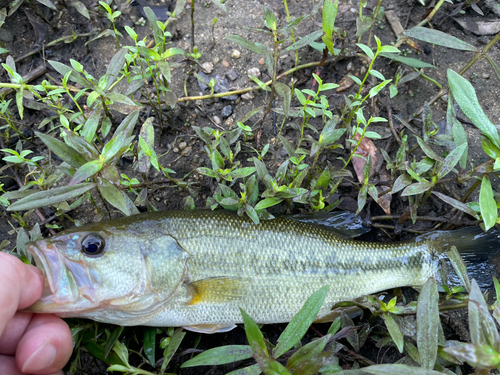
182,145
349,66
362,71
486,75
227,111
176,150
207,67
444,98
261,61
225,63
230,121
236,54
247,96
232,74
187,151
254,72
217,120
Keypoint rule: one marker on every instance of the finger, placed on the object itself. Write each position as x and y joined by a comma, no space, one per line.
46,346
8,367
20,286
13,332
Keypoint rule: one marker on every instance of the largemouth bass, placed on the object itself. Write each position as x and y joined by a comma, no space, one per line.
195,269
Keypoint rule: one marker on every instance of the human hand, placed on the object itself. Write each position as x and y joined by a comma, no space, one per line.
29,343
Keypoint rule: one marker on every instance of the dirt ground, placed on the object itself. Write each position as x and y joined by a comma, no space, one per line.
184,151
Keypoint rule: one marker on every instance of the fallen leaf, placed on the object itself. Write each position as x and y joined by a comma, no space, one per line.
367,148
479,27
345,83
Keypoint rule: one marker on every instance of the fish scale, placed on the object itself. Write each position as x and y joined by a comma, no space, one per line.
201,267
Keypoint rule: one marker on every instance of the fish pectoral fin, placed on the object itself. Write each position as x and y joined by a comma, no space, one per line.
215,290
211,328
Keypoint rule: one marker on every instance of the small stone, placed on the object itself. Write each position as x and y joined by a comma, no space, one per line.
225,63
254,72
444,98
227,111
362,70
486,75
247,96
349,66
261,61
230,121
217,120
207,67
176,150
232,74
236,54
182,145
187,151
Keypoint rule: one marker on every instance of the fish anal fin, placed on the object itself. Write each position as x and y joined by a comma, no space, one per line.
215,290
211,328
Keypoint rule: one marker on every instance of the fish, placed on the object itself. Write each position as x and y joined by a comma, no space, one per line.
196,269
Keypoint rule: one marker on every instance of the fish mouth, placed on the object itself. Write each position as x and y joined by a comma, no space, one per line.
64,279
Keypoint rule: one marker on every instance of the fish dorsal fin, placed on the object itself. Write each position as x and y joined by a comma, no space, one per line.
211,328
215,290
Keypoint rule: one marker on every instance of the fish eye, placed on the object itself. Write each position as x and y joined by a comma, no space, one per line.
93,244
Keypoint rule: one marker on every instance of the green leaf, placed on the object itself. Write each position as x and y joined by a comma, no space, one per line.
487,203
286,94
417,188
362,195
308,351
465,96
451,160
367,50
439,38
90,127
482,327
147,133
394,331
268,202
428,324
74,76
269,366
242,172
254,335
305,41
115,66
87,170
300,323
49,197
150,344
458,131
175,342
61,149
414,63
399,369
113,195
270,21
459,266
375,90
115,335
254,47
456,204
220,356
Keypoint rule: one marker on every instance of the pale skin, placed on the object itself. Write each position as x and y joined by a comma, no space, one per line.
30,344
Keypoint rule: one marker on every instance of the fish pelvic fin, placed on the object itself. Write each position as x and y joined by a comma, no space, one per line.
215,290
211,328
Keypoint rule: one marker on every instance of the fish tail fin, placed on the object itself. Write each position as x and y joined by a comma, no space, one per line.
475,246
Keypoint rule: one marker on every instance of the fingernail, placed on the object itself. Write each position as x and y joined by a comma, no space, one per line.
41,359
